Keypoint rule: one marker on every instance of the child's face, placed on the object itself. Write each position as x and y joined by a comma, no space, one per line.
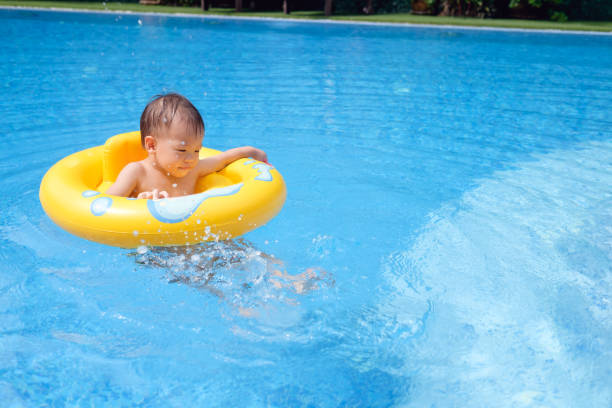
177,152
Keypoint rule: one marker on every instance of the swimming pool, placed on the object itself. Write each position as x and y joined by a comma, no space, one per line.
446,239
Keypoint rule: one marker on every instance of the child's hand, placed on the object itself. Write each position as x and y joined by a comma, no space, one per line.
155,194
221,160
259,154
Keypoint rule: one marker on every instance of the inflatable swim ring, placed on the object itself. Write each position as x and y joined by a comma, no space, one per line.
241,197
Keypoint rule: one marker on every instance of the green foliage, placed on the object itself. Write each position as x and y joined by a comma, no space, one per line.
471,8
555,10
379,6
348,6
561,10
186,3
558,16
590,10
538,3
391,6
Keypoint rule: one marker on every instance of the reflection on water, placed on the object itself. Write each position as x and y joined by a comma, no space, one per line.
518,310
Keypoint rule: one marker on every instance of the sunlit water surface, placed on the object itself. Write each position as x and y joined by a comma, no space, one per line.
446,240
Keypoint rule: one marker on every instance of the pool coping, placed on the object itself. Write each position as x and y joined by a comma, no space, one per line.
313,21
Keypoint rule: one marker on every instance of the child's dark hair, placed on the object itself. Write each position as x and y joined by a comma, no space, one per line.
160,112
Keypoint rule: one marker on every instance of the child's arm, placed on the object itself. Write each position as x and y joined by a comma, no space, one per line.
126,180
219,161
126,183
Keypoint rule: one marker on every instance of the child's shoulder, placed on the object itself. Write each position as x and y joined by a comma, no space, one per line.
127,180
133,167
133,170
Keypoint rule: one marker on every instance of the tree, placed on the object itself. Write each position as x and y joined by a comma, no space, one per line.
328,7
551,7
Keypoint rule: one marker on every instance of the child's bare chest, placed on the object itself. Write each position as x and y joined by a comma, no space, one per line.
175,187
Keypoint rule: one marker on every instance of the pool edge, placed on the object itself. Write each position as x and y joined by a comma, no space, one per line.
314,21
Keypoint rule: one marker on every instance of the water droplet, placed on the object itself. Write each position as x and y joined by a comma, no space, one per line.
139,22
174,185
198,221
135,233
142,249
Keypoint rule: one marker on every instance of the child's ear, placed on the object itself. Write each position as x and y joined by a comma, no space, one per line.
150,143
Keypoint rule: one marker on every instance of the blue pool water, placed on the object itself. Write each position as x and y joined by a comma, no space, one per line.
446,241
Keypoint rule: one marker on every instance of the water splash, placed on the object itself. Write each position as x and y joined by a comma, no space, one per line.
235,271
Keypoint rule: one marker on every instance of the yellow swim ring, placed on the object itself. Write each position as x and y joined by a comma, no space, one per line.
241,197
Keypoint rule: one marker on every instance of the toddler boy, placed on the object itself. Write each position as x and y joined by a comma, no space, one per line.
171,131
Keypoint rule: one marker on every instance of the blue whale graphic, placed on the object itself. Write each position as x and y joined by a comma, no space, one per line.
177,209
263,172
